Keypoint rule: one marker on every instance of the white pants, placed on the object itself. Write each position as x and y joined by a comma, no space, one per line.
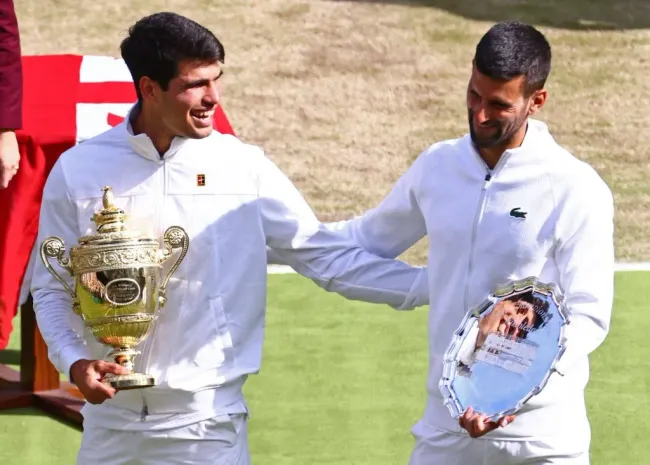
436,447
217,441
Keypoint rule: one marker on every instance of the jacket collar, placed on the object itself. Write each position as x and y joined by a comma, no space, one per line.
536,139
143,145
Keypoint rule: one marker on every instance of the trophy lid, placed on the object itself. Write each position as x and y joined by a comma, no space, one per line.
110,223
111,218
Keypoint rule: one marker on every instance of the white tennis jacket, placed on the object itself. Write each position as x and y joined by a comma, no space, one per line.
540,212
208,337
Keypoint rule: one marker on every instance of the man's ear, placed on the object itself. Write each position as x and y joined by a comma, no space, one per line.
149,88
538,101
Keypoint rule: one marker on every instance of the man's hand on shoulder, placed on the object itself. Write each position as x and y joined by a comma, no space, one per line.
88,376
9,157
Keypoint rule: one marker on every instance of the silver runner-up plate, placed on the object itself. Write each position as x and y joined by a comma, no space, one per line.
505,349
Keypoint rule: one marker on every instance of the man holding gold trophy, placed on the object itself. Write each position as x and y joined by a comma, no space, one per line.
152,288
521,269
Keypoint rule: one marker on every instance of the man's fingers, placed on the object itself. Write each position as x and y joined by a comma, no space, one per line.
104,388
104,368
477,424
480,426
4,179
98,392
465,417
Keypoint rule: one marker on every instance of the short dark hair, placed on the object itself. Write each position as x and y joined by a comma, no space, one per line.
511,49
156,44
540,306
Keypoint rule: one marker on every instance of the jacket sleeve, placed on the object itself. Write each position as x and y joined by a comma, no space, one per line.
52,303
327,256
391,228
396,224
585,258
11,79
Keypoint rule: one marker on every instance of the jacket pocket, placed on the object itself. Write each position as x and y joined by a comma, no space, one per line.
216,348
203,353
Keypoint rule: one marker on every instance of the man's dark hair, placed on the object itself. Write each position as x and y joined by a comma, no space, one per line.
511,49
540,306
156,44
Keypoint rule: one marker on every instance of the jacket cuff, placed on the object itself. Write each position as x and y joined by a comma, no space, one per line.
68,356
419,293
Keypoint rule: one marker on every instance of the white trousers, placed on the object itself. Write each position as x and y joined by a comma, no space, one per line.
436,447
217,441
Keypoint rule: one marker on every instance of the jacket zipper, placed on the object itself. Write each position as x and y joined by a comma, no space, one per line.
148,344
477,219
489,174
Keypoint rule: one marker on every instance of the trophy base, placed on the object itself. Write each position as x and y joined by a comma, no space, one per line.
131,381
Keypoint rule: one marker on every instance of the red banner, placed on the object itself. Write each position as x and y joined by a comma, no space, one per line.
66,99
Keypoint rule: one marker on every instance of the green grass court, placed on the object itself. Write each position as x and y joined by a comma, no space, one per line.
342,382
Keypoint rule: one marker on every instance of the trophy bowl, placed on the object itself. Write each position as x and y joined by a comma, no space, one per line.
118,284
505,350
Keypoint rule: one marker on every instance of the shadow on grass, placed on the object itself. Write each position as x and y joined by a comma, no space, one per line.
10,357
596,15
36,413
26,412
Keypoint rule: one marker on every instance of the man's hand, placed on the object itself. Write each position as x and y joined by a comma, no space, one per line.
88,375
497,321
477,424
9,157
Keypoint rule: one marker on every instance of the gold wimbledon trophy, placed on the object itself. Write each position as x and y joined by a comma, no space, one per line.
117,280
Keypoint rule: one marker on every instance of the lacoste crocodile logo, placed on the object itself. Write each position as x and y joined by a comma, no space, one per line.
515,213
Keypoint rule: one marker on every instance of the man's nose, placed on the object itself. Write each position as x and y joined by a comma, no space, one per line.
480,115
213,95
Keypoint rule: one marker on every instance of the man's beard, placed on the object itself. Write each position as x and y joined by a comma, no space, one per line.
504,131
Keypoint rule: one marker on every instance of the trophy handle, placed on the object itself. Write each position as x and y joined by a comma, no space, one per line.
54,247
175,238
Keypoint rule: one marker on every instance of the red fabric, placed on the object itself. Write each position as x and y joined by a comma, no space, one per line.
10,71
19,222
51,93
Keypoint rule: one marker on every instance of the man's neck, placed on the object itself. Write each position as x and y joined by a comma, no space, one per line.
492,155
143,122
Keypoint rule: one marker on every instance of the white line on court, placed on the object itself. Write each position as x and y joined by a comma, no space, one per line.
624,266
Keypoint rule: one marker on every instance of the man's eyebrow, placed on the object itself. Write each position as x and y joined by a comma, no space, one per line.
201,82
500,102
493,101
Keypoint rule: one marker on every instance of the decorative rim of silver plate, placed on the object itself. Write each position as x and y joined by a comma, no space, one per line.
511,288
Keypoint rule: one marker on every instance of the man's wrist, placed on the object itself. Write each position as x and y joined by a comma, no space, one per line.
69,356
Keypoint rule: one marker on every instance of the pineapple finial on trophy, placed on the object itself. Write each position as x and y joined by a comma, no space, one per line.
108,198
110,218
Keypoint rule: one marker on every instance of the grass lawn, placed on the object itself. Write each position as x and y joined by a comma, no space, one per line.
343,94
343,382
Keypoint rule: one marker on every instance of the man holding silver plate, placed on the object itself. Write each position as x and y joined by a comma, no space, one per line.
521,269
160,228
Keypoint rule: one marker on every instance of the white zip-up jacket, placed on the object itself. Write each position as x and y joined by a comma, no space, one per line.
208,337
476,243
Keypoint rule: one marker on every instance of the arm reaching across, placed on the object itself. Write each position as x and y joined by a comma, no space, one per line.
331,258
